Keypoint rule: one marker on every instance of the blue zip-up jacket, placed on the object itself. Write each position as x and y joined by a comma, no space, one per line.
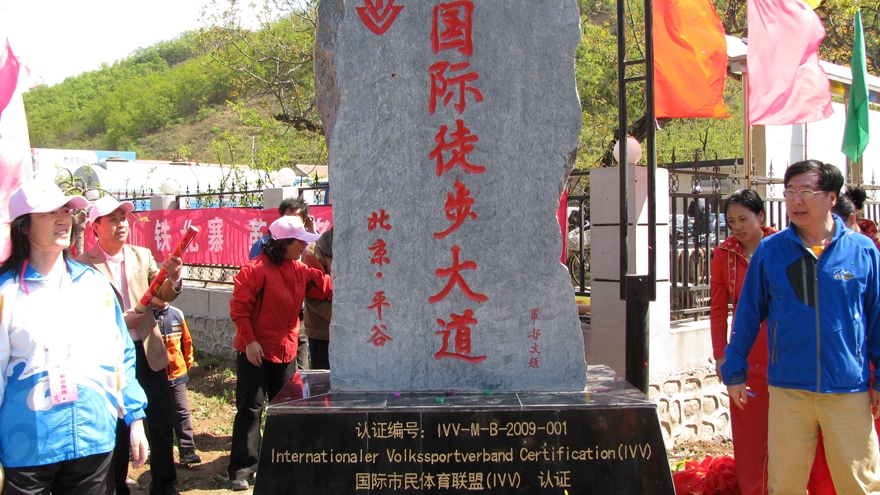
823,315
79,329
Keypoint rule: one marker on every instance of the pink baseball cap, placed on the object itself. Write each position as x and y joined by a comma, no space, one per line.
41,196
291,226
107,205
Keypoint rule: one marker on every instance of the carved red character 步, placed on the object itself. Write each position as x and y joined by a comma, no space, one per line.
378,220
445,87
459,147
455,278
379,302
461,325
458,208
451,27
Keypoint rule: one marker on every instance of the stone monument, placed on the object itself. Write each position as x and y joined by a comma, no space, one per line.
450,128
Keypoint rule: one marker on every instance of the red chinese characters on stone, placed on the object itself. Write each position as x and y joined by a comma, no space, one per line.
379,337
380,253
378,16
534,334
451,27
459,147
461,325
533,363
533,314
458,208
445,87
455,278
379,302
378,220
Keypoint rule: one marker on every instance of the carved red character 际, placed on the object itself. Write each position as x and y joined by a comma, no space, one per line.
379,302
461,325
451,27
378,220
455,278
458,208
444,87
459,147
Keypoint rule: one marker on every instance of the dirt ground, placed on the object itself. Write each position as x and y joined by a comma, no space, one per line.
211,394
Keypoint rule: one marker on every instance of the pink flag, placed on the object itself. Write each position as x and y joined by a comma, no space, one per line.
786,84
14,142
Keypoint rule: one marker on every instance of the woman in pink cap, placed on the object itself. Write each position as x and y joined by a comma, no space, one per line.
63,381
268,294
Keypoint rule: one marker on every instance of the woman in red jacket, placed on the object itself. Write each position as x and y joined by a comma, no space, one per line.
268,294
730,261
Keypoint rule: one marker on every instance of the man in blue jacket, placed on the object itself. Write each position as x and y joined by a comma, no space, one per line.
817,284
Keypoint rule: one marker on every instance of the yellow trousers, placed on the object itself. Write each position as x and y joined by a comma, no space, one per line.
796,416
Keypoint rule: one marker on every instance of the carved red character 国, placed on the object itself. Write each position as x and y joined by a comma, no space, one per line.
451,27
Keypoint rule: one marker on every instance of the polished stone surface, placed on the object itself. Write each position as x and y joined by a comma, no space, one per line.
605,439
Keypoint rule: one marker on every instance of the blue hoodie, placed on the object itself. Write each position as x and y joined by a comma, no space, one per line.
823,315
81,329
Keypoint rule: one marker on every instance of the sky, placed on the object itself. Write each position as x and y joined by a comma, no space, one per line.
61,38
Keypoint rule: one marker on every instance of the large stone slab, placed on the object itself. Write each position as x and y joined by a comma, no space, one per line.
450,129
605,439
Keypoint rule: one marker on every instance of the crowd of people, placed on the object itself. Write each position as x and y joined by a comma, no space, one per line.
75,393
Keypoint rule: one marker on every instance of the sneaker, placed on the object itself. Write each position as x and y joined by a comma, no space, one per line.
190,458
239,485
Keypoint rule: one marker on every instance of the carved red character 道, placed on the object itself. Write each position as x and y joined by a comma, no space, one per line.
455,278
445,87
378,302
378,16
459,147
451,27
461,325
458,208
378,220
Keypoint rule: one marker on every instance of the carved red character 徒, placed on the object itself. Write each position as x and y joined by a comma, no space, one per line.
459,147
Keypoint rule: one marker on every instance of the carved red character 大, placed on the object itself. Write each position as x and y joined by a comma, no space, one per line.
451,27
459,147
445,87
377,15
455,278
461,325
378,303
379,337
378,220
458,208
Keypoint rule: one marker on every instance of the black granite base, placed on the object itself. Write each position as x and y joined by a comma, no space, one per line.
605,440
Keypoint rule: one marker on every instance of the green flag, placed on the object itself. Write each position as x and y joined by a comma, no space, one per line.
855,137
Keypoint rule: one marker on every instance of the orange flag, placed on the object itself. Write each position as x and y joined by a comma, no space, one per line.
690,59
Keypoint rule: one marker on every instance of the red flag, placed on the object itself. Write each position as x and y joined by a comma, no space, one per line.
786,83
15,148
690,59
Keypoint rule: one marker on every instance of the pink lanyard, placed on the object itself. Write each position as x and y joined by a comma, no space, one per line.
24,282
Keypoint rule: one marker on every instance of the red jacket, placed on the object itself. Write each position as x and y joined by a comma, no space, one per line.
266,302
729,266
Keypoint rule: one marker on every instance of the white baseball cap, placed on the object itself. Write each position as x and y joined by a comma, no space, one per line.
291,226
41,196
107,205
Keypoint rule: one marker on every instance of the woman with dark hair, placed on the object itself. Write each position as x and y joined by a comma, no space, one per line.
745,221
865,226
63,381
268,294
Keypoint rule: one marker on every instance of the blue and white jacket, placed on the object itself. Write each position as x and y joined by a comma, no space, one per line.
823,314
80,329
